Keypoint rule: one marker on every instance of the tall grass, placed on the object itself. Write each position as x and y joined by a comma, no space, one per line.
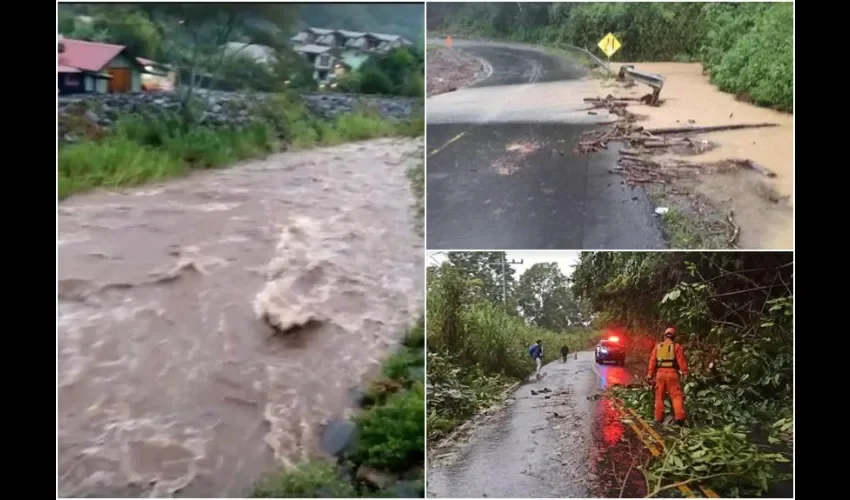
145,149
486,335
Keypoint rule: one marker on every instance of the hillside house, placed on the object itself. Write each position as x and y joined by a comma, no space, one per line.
331,51
321,58
89,67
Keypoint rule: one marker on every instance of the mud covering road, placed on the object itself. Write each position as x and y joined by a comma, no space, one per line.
168,382
501,173
563,440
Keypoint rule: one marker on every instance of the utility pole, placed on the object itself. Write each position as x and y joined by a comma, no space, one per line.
505,278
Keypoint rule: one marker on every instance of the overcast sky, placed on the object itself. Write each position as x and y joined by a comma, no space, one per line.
565,259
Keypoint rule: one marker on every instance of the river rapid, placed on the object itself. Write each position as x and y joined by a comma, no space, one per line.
170,380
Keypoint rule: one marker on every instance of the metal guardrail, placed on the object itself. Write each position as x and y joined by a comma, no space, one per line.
653,80
602,64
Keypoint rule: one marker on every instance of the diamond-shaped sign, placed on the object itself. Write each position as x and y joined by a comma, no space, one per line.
609,44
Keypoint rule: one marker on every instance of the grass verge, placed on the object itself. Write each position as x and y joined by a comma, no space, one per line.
691,220
386,457
146,149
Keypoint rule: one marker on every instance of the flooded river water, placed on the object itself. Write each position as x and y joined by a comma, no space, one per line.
169,383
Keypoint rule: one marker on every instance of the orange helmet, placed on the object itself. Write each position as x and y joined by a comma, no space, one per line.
670,332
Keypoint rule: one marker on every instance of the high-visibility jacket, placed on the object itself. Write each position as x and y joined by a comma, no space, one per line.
667,354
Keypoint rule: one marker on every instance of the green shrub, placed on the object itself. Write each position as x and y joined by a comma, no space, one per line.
374,81
415,336
392,435
113,162
760,64
361,126
401,365
317,479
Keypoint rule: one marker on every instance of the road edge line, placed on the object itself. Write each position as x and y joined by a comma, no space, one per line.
659,441
447,144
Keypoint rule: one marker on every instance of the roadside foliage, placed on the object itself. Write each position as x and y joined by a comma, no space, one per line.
734,316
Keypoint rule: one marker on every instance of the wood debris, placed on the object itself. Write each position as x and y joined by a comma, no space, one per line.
641,143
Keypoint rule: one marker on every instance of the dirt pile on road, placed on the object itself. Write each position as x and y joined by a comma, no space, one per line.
451,69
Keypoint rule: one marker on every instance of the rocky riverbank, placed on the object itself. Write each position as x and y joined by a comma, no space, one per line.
217,108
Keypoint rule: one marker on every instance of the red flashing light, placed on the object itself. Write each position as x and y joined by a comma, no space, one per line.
613,339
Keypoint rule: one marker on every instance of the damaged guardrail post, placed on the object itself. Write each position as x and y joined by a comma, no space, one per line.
654,80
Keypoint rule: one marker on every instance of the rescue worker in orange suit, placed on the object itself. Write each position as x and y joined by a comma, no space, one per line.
666,362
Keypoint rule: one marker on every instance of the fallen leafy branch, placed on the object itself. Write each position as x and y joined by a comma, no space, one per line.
720,458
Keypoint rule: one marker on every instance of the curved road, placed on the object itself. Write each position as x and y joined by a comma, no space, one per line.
501,173
565,442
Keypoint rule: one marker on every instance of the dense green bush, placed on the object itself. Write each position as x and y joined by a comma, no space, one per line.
392,435
759,66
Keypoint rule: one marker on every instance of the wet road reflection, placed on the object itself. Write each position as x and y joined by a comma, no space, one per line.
616,450
611,375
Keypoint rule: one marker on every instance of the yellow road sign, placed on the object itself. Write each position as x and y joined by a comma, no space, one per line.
609,44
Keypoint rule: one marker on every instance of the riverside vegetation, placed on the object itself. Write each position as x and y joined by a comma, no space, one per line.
385,454
747,49
139,149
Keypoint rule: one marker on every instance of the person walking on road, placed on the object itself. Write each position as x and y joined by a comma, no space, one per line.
565,351
666,362
536,353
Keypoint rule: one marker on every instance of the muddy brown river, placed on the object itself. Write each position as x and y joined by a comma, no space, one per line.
169,381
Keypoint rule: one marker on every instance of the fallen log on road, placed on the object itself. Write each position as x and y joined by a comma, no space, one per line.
611,98
714,128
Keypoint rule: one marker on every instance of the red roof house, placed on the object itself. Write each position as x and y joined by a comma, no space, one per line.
86,67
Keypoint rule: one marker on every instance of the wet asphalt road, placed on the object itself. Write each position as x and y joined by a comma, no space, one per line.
515,66
510,181
552,444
